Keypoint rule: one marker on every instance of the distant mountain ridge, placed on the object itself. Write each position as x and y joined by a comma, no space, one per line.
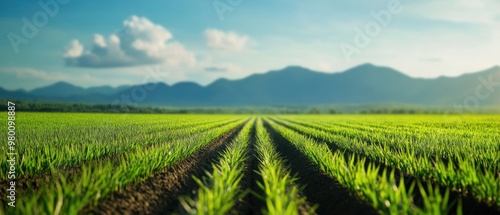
61,89
292,85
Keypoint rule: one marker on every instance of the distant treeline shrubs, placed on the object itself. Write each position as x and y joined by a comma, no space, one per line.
38,106
30,106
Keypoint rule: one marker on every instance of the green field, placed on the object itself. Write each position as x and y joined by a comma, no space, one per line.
236,164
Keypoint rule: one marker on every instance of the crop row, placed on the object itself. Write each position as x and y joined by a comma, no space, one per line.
383,191
407,165
281,194
428,141
81,140
220,190
463,174
71,193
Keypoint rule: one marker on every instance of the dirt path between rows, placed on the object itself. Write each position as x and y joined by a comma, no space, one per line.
319,188
159,193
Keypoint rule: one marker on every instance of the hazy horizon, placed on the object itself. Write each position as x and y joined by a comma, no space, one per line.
234,79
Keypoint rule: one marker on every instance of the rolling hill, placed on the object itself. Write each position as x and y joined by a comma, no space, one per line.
292,85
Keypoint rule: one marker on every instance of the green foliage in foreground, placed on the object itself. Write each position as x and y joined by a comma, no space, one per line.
49,143
281,195
71,193
220,191
106,152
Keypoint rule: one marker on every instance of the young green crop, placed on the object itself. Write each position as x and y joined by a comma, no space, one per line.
220,190
70,140
424,138
107,152
97,182
462,174
386,194
278,186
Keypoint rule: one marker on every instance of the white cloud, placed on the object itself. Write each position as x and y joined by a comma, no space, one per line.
434,38
73,49
460,11
323,66
223,68
25,73
139,42
226,41
437,52
29,78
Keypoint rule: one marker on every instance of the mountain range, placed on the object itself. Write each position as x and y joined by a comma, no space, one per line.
292,85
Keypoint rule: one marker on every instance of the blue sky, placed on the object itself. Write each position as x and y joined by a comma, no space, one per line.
93,43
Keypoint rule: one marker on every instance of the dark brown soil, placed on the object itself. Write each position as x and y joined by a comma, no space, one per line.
159,193
319,188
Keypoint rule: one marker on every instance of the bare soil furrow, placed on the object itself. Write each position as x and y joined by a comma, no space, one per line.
319,188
